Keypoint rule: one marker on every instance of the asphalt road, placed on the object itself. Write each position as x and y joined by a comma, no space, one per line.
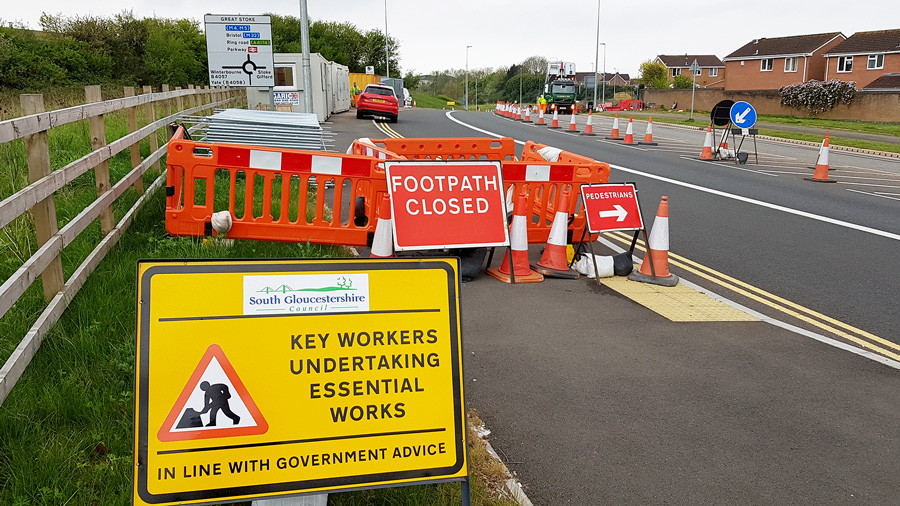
593,399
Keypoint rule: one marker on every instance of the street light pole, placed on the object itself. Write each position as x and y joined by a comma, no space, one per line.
387,49
467,77
604,74
520,85
597,54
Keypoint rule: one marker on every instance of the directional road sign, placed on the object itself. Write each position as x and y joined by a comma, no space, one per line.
743,115
719,113
611,207
279,377
239,49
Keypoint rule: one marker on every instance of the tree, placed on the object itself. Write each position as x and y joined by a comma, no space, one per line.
683,81
654,75
411,80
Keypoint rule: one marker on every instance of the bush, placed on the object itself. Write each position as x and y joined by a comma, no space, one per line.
818,96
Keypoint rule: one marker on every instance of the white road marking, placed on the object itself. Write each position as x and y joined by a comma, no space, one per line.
875,194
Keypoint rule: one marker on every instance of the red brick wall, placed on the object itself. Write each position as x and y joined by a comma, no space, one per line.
883,107
860,72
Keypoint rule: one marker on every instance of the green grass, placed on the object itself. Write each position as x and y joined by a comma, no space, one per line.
430,101
66,427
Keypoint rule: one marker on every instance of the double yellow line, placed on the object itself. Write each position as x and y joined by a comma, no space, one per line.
383,126
860,337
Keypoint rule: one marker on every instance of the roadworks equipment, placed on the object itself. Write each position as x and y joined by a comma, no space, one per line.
589,128
555,122
518,246
383,242
629,133
553,262
615,135
572,127
821,173
540,117
648,137
707,153
658,250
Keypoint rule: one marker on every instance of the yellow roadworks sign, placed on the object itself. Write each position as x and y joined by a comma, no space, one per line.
263,378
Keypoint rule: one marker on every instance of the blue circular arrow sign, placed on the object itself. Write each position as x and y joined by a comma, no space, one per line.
743,115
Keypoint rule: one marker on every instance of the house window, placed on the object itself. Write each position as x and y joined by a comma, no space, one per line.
676,72
845,64
698,72
284,77
790,64
766,65
876,61
713,72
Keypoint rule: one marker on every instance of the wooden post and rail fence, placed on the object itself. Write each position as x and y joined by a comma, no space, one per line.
38,197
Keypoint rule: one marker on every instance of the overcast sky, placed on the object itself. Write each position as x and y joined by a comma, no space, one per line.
433,34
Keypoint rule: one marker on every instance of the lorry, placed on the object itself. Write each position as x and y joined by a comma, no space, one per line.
559,86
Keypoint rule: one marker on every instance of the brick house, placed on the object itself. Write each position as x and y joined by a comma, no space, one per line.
864,57
769,64
710,75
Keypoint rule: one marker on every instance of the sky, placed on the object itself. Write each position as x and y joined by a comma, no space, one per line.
433,34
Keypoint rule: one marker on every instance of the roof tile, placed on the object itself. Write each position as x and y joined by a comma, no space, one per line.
797,44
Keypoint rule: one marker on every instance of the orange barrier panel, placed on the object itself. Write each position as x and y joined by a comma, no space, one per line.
267,192
462,148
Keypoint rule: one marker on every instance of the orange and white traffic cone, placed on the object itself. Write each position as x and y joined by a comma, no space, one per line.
555,122
615,135
522,113
540,117
707,153
629,132
821,173
589,128
518,245
655,267
648,137
383,240
572,127
528,114
554,262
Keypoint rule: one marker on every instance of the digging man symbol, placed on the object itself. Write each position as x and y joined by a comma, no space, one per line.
217,399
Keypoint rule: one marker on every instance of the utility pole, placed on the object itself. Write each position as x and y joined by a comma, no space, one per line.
467,77
604,72
304,47
387,49
597,54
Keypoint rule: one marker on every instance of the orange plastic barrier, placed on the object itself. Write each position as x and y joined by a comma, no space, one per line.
541,180
267,192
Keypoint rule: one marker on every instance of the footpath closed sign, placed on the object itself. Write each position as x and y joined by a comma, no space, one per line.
610,207
447,204
263,378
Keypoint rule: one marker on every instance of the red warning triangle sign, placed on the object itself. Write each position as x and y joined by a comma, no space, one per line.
213,404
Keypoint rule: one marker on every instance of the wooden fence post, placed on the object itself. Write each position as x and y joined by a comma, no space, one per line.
192,98
97,128
166,103
44,212
150,113
135,149
179,100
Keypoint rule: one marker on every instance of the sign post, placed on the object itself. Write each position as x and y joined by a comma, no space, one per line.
263,378
239,51
694,69
612,207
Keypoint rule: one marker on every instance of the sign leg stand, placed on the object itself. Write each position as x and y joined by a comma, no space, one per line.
466,493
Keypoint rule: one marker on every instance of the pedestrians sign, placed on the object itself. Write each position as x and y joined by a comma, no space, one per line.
611,207
447,204
207,394
239,50
743,115
284,377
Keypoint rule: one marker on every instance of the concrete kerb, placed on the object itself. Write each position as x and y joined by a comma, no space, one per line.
512,484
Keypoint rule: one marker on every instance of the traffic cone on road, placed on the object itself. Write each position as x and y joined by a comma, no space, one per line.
629,132
554,262
821,173
707,153
522,113
655,267
518,246
589,128
555,122
648,137
540,117
615,135
572,127
528,114
383,241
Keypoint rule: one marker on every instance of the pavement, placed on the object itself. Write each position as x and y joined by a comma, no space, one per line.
595,398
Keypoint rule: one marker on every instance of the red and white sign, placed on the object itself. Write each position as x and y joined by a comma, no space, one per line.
252,49
446,204
611,207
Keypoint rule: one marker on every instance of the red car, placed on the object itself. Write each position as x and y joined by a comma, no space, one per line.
378,100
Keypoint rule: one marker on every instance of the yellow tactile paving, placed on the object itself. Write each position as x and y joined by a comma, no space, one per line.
677,303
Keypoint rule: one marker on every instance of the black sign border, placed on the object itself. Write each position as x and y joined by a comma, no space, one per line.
296,487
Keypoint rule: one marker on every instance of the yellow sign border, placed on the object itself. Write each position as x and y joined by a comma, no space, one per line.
146,269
